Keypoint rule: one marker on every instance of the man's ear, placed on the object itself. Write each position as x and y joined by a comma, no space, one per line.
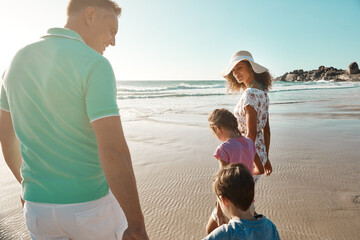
89,15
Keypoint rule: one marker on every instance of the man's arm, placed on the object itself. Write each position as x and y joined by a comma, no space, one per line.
116,162
10,144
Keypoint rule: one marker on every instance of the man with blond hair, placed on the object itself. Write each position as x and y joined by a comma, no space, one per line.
61,132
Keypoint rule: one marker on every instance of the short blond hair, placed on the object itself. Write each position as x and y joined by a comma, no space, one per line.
78,5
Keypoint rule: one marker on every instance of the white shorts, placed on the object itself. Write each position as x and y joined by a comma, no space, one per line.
99,219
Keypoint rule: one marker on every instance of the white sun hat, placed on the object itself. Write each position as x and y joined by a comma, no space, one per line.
243,56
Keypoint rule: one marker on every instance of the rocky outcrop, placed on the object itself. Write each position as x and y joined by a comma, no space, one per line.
353,68
323,73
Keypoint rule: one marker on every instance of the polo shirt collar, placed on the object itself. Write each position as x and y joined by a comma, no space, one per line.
63,32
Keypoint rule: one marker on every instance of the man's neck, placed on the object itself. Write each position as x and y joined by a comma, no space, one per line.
75,25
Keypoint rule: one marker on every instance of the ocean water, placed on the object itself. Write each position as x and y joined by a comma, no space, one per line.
154,99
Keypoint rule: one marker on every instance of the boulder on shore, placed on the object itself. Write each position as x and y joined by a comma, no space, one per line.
291,77
353,68
323,73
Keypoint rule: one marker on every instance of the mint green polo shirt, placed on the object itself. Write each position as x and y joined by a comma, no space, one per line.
54,88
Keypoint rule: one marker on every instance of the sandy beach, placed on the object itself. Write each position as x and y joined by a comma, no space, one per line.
313,193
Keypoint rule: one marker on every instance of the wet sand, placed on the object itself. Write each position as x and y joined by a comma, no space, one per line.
313,193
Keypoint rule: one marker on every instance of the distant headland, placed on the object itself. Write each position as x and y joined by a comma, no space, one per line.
323,73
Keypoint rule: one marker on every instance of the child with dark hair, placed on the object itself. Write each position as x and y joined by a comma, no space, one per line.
234,149
234,188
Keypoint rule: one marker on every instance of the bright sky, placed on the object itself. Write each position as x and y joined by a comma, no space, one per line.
194,39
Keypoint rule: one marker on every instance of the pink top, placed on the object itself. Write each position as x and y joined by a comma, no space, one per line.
237,150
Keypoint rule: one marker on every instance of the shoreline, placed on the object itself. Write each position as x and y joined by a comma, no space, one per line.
313,192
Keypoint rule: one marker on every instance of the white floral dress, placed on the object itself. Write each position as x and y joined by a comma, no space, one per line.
260,101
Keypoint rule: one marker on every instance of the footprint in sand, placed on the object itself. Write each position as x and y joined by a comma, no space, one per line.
356,199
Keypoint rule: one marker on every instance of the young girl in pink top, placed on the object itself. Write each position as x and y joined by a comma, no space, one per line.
234,149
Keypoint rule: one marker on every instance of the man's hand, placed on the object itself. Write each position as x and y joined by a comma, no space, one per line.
135,234
22,202
268,168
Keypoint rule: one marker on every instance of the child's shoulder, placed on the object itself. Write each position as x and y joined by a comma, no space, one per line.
242,141
238,142
234,229
222,233
261,227
233,142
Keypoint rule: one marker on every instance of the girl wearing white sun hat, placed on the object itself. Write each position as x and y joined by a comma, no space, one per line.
253,81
